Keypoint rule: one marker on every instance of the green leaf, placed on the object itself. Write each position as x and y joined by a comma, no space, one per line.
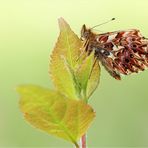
64,55
84,70
88,75
54,113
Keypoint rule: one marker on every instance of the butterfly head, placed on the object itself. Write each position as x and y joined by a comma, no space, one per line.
85,32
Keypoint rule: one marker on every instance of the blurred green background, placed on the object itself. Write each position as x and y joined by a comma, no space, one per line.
28,32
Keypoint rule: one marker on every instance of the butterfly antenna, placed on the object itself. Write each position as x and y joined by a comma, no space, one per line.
103,23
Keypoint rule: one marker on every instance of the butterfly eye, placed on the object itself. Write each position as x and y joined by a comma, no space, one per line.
86,34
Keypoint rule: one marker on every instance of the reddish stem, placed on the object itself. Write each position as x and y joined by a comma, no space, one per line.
83,140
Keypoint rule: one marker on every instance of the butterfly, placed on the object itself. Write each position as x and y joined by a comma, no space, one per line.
120,52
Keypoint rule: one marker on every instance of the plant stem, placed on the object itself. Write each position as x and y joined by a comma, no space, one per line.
76,145
83,141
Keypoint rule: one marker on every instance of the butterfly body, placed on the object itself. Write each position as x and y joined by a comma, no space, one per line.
120,52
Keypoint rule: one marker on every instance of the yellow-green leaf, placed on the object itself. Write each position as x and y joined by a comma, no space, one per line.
66,51
54,113
88,75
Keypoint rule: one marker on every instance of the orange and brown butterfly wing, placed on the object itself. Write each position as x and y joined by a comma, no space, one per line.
122,52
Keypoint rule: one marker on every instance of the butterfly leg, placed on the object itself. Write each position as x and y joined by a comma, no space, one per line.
84,49
95,60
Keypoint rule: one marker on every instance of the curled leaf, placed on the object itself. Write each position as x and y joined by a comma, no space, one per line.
88,75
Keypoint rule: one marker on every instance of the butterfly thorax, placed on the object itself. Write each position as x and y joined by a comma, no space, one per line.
94,42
